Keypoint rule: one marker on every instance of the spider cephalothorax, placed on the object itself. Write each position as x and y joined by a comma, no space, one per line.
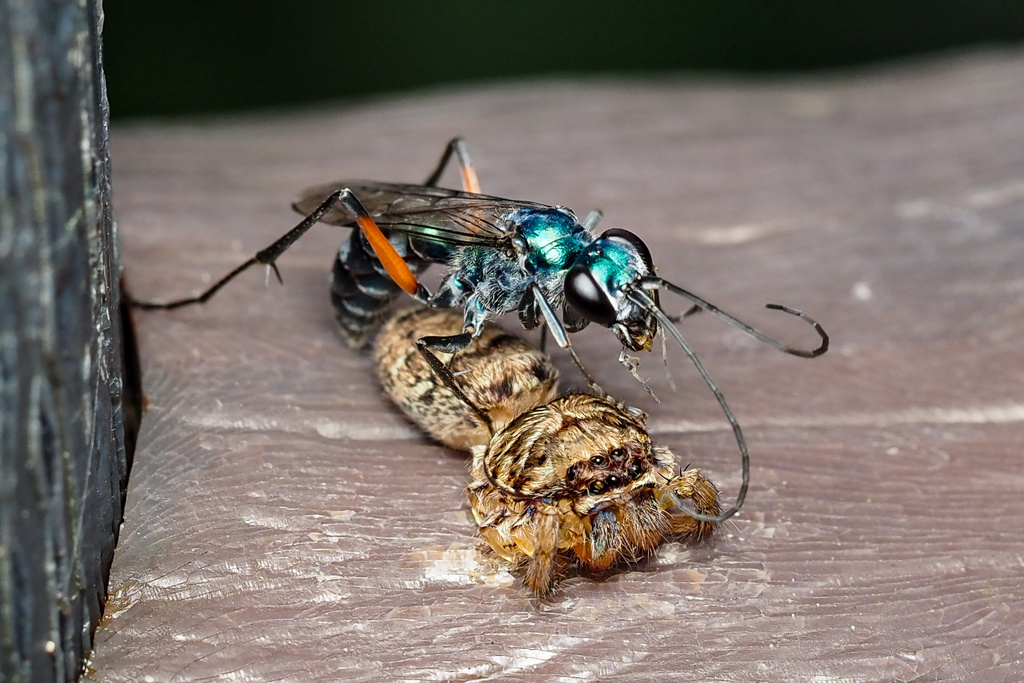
578,480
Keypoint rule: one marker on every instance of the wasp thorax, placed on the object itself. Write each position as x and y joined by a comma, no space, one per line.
576,445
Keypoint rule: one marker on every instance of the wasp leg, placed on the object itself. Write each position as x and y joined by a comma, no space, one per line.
389,258
450,344
561,337
267,257
592,219
470,183
393,263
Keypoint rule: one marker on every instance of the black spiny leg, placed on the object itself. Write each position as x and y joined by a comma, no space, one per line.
450,344
267,257
561,337
458,146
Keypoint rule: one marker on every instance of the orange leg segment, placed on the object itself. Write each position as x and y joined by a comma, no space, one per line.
470,183
389,258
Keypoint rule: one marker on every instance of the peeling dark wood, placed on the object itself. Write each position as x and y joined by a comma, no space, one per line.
65,446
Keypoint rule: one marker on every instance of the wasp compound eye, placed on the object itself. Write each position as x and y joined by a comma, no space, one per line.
627,238
587,297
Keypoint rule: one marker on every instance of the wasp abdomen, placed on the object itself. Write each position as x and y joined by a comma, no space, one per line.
361,290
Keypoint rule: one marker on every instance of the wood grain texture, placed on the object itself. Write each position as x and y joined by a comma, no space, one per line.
284,523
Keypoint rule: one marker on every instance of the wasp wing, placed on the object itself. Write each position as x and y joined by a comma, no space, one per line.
432,213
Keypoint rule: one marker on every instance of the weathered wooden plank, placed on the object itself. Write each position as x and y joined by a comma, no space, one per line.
284,523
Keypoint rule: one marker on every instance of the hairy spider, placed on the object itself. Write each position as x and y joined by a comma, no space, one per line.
569,481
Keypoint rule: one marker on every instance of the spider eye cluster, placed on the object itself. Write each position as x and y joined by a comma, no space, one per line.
607,471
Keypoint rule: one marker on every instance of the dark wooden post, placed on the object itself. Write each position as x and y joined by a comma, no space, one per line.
63,455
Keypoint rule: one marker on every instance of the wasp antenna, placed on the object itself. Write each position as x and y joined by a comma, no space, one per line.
653,284
641,299
810,321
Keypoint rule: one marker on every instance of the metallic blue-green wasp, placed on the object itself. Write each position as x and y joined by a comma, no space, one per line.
502,255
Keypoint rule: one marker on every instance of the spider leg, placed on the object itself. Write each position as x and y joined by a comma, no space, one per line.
540,573
603,540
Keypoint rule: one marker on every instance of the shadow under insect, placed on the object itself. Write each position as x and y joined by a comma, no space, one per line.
558,483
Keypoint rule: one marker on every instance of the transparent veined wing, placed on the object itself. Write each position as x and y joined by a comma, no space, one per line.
432,213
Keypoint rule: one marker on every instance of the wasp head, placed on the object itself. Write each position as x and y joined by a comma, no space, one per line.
599,280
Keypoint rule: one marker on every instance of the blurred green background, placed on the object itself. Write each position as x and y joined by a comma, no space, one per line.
178,58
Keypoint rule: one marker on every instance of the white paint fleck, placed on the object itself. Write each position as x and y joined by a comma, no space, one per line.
862,291
739,234
324,427
461,565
